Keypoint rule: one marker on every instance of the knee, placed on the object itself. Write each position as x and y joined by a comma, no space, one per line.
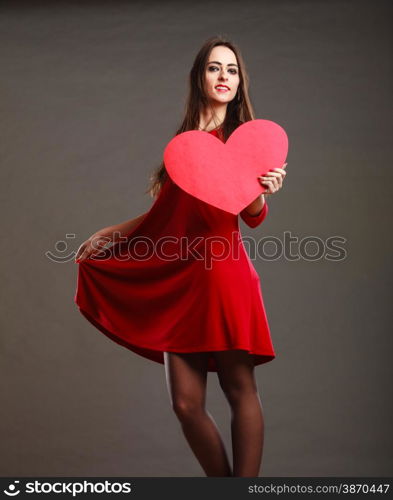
236,395
186,409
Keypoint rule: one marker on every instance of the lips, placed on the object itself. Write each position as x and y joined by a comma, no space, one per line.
222,88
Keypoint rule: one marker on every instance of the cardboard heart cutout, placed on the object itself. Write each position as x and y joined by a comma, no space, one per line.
225,174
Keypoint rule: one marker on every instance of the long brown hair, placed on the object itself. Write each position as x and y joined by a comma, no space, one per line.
239,110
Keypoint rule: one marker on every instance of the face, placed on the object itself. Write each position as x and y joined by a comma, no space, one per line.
221,69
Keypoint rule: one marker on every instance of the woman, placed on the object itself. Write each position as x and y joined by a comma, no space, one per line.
188,315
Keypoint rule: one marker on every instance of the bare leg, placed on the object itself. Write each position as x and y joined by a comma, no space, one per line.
237,380
186,375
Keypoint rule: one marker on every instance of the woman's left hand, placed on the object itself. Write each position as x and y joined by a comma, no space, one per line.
273,179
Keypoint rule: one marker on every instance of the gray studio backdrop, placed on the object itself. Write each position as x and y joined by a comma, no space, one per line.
90,95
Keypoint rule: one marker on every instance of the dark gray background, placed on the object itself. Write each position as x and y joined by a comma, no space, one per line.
90,95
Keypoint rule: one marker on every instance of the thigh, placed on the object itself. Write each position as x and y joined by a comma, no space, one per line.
186,376
235,371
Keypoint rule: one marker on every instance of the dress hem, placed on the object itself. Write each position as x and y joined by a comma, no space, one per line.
157,354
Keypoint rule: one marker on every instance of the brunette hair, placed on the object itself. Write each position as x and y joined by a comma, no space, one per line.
239,110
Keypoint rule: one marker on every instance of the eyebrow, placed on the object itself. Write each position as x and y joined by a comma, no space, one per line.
217,62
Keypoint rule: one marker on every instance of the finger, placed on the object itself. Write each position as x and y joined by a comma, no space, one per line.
81,257
78,255
274,179
80,250
280,170
277,181
87,253
263,181
278,176
267,184
272,174
272,186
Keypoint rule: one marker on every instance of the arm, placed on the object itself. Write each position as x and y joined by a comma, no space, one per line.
118,231
105,235
255,212
256,206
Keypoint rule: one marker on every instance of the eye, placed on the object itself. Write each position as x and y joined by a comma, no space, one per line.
231,70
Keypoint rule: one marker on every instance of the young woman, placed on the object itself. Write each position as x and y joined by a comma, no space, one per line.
197,313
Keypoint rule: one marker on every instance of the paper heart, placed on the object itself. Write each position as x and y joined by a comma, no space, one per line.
225,174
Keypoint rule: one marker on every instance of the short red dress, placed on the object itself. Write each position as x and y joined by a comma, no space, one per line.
181,281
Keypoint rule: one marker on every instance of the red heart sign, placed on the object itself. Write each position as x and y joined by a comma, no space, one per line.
225,174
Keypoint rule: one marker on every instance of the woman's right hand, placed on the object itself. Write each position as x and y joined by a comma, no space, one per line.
91,246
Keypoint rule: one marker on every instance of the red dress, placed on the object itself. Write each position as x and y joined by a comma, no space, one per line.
182,281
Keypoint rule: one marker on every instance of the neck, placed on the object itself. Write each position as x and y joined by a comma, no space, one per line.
213,116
